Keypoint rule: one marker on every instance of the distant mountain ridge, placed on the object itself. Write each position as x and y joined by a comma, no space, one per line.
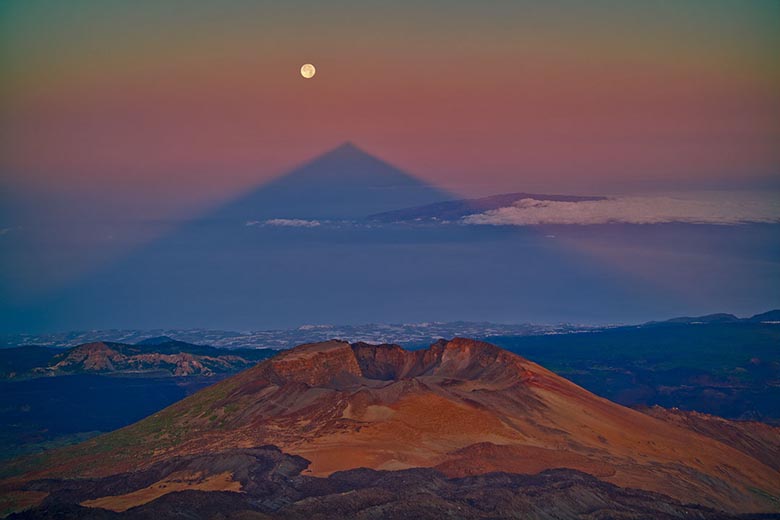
453,210
721,317
174,358
770,316
709,318
402,333
409,334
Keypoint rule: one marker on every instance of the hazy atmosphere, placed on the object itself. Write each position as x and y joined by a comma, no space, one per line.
122,123
368,260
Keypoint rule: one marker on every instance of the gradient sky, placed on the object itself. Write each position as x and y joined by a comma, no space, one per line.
201,99
115,114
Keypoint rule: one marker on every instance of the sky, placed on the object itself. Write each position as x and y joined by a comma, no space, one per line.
197,100
120,119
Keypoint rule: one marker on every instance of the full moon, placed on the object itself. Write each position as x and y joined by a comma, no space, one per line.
308,71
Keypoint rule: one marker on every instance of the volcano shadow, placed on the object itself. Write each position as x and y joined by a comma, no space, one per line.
301,249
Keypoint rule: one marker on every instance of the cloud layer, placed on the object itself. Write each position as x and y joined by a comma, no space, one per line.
284,222
291,222
720,209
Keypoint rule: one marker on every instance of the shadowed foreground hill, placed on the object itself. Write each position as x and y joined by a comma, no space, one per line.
263,483
461,408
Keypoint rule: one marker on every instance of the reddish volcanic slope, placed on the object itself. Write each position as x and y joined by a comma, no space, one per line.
461,406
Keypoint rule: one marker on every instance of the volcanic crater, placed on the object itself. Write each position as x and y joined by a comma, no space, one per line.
461,408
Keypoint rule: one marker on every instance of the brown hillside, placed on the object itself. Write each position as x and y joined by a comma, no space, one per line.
461,406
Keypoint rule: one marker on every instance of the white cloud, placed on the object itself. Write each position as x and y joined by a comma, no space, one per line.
291,222
9,230
703,208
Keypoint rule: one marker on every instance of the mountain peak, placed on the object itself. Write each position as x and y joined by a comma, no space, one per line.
334,363
313,364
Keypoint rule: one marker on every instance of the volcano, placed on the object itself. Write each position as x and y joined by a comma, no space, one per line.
459,409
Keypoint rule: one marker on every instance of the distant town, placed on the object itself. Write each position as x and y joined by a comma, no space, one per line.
405,334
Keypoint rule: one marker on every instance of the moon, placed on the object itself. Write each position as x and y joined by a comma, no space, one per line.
308,71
